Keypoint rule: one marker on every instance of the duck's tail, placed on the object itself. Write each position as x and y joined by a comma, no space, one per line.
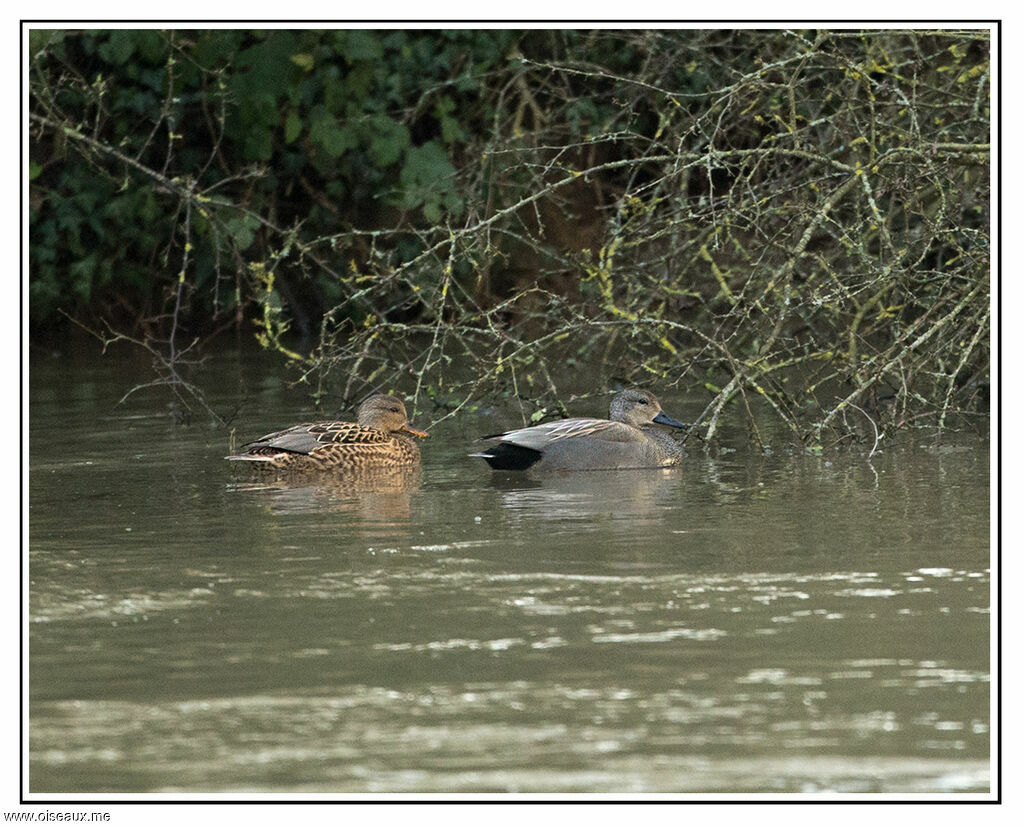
508,457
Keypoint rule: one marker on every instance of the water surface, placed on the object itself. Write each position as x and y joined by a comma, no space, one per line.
744,623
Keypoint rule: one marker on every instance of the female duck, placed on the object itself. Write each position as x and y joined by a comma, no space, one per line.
377,440
628,439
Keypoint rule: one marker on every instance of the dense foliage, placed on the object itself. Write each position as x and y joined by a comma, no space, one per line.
795,217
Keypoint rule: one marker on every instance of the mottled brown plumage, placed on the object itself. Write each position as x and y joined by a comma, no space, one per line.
377,440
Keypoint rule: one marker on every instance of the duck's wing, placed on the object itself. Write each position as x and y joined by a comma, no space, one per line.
538,437
348,433
306,438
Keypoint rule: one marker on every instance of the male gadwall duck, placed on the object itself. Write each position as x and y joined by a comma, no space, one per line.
627,440
377,440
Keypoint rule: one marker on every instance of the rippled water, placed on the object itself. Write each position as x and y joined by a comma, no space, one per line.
745,623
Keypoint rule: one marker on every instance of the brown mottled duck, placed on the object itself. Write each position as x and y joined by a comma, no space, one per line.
377,440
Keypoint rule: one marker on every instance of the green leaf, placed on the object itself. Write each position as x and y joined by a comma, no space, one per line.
269,66
360,45
39,39
432,211
424,165
427,179
260,108
292,127
259,144
451,129
242,230
304,61
119,47
390,140
329,135
82,272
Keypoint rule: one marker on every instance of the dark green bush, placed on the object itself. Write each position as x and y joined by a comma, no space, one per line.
794,217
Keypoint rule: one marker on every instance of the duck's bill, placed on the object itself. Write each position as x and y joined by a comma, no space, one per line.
664,419
414,431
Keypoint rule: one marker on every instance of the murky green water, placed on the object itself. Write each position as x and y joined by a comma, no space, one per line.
742,624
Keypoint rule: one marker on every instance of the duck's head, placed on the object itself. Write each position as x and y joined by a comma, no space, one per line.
386,413
639,407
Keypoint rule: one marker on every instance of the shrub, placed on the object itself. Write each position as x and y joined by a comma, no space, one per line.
797,218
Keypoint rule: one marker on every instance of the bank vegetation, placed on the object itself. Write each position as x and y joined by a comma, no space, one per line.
794,223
